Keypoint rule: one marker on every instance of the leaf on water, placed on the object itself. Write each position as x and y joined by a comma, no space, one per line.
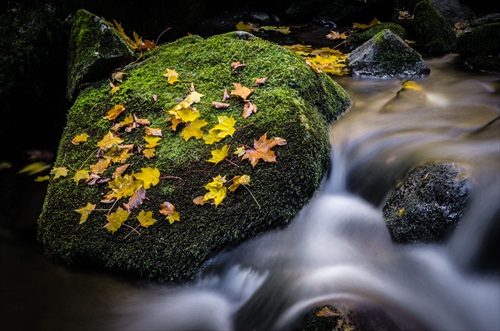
34,168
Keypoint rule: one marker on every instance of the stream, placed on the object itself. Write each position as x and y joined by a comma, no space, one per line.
336,252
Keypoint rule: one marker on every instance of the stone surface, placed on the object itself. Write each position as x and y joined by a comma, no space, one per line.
294,103
386,55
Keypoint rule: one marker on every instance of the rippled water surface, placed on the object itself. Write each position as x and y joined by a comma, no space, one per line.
337,251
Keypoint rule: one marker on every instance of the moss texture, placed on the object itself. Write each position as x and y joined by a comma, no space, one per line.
295,104
432,30
358,37
480,48
95,48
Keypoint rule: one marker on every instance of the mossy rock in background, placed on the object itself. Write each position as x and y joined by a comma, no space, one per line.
294,103
359,37
479,48
433,32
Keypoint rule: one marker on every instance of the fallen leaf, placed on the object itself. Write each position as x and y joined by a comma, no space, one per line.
116,219
260,81
248,109
220,105
262,150
136,199
80,139
219,154
146,218
241,91
216,190
149,176
85,212
114,112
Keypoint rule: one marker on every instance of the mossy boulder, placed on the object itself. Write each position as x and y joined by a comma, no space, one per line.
386,55
433,32
294,103
479,48
359,37
95,48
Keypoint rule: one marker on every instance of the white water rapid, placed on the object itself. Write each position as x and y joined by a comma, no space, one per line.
338,250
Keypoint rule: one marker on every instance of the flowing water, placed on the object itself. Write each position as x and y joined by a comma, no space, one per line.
338,250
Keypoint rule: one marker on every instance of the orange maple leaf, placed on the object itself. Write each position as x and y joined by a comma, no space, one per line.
241,91
262,150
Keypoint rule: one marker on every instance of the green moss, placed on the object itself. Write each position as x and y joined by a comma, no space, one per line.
482,40
432,30
294,103
358,37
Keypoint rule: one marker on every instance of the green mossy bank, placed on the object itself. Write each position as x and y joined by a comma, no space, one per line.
294,103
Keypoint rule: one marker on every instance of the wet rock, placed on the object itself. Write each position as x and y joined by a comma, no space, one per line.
357,38
95,48
479,48
386,55
427,205
294,103
433,32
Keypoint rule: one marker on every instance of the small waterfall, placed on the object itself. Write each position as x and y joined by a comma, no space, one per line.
338,251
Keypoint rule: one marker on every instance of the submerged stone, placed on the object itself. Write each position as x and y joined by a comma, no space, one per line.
386,55
294,103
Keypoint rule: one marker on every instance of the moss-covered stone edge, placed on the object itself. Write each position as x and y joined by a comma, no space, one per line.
301,105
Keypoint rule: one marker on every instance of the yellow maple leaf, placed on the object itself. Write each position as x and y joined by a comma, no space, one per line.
152,141
149,176
174,217
81,174
193,129
85,212
34,168
59,172
80,139
109,140
219,154
216,190
100,166
186,114
148,152
241,26
42,178
172,76
114,112
122,186
359,26
239,180
220,131
116,219
146,218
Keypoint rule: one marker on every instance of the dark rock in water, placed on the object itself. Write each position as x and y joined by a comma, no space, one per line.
479,48
386,55
427,206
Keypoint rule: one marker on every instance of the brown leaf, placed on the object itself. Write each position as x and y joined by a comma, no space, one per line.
220,105
166,208
248,109
136,199
120,170
237,65
241,91
260,81
153,131
262,150
225,96
141,121
199,200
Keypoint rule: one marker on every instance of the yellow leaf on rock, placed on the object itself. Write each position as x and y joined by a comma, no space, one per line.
239,180
109,140
80,139
59,172
116,219
241,26
114,112
152,141
149,176
193,130
146,218
81,174
219,154
172,76
241,91
85,212
216,190
220,131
